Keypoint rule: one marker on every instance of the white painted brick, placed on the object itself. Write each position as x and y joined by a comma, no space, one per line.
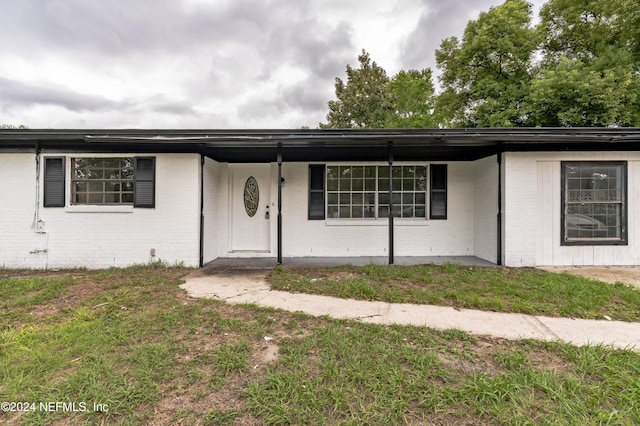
97,240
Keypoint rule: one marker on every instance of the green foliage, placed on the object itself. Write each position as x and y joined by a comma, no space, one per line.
586,73
413,96
485,75
589,72
369,99
363,101
573,93
580,66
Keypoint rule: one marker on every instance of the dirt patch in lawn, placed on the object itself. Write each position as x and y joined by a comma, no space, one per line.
609,274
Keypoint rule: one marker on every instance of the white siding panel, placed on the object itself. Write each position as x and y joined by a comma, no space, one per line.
549,212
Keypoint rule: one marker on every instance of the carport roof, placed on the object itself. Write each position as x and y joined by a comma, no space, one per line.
324,144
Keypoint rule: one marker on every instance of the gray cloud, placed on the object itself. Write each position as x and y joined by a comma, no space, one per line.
191,63
17,94
439,20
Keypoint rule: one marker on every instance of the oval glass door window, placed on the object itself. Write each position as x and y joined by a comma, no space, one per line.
251,196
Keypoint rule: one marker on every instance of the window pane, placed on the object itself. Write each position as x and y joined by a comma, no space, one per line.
112,186
332,184
383,172
96,187
370,172
408,184
332,198
370,198
370,185
345,211
332,211
96,198
111,197
356,198
345,184
369,211
396,184
357,185
345,198
356,211
383,184
407,211
407,198
358,172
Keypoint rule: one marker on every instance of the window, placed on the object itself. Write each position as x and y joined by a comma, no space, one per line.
361,192
101,181
594,203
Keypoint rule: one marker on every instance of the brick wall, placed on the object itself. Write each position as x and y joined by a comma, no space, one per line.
97,237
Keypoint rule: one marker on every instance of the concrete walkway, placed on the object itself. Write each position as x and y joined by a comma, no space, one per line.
240,287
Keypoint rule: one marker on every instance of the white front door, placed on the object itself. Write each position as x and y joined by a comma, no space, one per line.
250,207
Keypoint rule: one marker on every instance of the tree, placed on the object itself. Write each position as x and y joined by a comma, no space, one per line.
369,99
363,101
486,75
413,97
591,58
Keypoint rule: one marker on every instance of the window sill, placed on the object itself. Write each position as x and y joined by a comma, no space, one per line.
98,209
376,222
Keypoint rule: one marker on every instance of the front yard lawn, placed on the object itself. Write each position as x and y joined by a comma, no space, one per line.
524,290
129,347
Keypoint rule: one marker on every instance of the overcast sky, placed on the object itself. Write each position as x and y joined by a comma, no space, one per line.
204,63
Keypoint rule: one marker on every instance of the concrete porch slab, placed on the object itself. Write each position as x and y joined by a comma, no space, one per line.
309,262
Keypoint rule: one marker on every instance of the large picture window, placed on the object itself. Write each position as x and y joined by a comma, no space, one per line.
363,191
594,203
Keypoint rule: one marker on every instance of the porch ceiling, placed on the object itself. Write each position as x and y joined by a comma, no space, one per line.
326,144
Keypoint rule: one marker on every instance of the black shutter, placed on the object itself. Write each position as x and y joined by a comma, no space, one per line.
316,191
438,195
54,181
144,188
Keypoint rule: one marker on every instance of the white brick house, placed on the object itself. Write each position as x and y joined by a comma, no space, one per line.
517,197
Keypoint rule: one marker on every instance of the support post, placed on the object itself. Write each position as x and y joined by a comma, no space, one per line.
499,215
279,236
391,256
201,259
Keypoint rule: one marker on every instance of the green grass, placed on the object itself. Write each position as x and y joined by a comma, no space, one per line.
132,341
523,290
